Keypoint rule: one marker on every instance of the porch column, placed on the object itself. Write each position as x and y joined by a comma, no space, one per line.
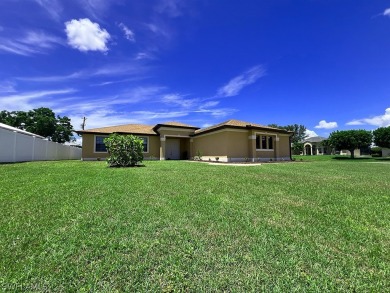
162,148
277,152
252,146
191,154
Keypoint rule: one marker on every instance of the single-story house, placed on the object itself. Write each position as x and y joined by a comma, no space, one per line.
229,141
314,146
385,152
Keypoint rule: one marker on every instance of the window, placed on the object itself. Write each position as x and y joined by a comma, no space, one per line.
145,144
264,142
270,142
100,147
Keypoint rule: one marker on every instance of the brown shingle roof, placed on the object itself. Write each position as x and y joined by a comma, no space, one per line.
127,128
175,123
151,130
236,124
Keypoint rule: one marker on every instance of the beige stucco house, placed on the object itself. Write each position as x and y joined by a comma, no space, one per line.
229,141
385,152
314,146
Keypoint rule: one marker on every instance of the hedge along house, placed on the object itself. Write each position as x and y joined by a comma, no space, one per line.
230,141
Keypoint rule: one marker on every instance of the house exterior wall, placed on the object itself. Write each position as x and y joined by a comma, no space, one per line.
237,145
231,145
88,151
210,145
88,147
385,152
284,146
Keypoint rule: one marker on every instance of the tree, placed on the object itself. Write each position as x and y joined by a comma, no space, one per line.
382,137
298,136
350,140
41,121
124,150
63,131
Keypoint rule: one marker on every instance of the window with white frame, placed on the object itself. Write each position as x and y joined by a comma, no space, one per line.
100,147
264,142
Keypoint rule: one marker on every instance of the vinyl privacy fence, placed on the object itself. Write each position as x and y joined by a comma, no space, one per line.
19,147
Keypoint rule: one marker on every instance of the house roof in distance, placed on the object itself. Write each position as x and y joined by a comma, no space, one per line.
315,139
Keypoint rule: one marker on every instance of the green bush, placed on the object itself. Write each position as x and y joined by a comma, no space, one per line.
124,150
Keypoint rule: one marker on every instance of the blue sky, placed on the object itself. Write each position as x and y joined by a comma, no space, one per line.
321,63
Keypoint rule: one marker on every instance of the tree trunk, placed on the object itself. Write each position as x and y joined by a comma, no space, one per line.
352,153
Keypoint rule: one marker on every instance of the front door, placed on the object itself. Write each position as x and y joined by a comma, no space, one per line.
172,149
308,150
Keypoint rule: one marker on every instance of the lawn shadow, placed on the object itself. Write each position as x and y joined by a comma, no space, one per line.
346,158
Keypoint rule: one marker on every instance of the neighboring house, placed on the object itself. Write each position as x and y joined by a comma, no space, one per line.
385,152
314,146
230,141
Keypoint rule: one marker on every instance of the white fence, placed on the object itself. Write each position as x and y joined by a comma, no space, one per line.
19,147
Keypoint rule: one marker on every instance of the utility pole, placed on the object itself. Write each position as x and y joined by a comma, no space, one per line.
83,124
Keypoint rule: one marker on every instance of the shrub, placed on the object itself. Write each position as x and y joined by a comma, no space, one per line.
199,155
124,150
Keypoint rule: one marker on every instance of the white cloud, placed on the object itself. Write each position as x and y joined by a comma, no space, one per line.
86,35
97,8
128,32
218,113
178,100
380,120
34,42
326,125
144,55
158,30
170,7
159,115
387,12
29,100
113,70
7,86
355,122
53,7
209,104
234,86
39,38
310,133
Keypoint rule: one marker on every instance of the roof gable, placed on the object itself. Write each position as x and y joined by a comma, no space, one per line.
174,124
127,128
232,123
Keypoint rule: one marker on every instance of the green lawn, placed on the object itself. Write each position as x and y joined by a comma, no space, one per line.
181,226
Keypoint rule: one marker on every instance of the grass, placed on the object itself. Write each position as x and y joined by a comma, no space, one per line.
339,158
180,226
